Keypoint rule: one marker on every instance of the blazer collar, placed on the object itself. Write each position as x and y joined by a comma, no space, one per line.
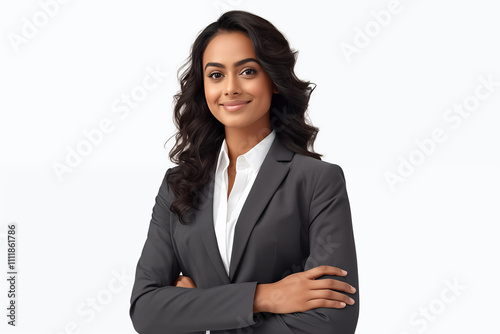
273,170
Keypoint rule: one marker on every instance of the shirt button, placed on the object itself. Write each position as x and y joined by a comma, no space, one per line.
241,162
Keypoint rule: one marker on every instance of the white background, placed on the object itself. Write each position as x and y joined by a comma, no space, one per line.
437,224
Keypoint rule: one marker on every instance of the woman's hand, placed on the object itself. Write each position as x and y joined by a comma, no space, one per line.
301,292
184,282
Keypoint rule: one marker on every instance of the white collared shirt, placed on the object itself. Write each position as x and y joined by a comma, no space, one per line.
227,210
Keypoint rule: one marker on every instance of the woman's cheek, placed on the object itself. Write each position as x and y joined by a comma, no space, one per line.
212,96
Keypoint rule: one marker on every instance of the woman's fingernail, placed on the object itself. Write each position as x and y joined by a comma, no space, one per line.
342,304
344,272
351,300
353,289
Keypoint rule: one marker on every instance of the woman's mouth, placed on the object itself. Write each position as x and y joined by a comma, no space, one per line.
235,105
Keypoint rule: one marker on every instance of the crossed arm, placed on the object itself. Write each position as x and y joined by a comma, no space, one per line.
160,304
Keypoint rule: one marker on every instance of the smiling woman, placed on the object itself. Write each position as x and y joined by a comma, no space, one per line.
252,231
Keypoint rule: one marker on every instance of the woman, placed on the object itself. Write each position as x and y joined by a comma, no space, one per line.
259,226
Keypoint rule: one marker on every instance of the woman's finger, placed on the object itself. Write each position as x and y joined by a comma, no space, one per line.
330,295
330,283
324,270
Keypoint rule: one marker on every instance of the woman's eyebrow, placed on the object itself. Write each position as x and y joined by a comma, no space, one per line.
238,63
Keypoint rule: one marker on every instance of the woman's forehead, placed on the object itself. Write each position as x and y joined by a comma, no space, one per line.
227,48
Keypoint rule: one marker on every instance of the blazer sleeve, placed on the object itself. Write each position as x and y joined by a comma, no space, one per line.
331,243
156,306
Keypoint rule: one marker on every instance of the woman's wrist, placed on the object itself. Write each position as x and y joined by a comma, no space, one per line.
260,299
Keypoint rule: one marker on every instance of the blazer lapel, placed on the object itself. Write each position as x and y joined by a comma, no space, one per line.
270,175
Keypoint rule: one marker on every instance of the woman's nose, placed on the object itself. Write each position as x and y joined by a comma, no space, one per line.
232,85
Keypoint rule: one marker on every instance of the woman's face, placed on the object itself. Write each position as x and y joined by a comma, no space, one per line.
237,90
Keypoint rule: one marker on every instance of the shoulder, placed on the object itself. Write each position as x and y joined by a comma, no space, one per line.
312,168
166,185
320,181
173,169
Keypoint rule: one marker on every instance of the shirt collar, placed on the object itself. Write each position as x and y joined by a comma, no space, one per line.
254,157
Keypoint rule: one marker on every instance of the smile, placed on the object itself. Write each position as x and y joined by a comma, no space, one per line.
235,105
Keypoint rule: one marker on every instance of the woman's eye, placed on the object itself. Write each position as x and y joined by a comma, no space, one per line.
215,75
249,71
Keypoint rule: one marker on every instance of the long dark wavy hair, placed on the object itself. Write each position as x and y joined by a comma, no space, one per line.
200,134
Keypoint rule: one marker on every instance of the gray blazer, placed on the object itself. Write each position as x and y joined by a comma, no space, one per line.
296,217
